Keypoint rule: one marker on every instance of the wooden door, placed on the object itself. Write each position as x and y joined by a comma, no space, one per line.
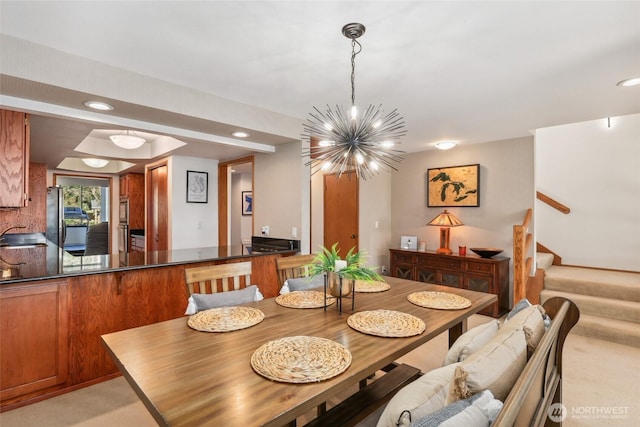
157,208
341,211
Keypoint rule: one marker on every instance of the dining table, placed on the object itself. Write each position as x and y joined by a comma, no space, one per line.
188,377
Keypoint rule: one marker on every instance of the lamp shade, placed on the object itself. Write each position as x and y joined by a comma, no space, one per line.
445,219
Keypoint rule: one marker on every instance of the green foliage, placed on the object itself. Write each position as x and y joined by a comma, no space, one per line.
326,261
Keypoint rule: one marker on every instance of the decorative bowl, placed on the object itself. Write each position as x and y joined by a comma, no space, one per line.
486,252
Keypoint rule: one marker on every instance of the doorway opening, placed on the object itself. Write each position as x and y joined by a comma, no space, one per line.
86,202
236,203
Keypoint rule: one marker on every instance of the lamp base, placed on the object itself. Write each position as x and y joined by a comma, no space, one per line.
444,251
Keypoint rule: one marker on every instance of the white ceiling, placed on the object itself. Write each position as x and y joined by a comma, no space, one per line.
471,71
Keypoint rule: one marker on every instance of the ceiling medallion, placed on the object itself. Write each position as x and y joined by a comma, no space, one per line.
350,141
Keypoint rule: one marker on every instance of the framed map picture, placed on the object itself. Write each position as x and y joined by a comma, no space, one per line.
197,187
454,186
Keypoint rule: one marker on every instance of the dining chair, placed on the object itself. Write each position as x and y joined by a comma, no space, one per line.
292,267
218,278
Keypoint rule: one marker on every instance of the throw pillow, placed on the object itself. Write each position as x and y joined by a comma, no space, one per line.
199,302
531,321
521,305
480,410
419,398
496,367
302,284
471,341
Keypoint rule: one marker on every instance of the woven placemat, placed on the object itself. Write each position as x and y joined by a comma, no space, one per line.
300,359
439,300
304,299
362,286
386,323
225,319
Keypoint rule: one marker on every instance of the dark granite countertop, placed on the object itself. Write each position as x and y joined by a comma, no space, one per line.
51,262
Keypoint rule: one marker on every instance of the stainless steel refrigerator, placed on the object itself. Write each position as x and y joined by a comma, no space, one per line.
56,228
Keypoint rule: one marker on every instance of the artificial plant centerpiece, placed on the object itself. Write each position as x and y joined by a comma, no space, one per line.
351,268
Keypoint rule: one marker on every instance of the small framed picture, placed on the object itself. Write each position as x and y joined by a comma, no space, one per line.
197,187
247,203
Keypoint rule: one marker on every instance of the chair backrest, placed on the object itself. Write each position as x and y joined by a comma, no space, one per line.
97,239
293,266
218,278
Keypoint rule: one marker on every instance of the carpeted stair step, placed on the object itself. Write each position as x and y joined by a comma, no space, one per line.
628,311
615,285
611,330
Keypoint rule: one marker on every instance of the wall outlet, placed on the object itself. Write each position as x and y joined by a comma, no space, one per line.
265,230
383,269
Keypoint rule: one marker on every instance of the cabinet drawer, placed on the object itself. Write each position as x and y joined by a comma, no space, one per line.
438,262
406,258
481,267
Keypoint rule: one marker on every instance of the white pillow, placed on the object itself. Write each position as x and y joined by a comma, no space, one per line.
496,367
302,284
480,410
199,302
531,321
470,341
419,398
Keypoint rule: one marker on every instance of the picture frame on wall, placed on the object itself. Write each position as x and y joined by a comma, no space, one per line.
247,203
197,187
454,186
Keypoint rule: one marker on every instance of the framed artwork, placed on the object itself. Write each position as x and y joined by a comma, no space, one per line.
197,187
454,186
247,203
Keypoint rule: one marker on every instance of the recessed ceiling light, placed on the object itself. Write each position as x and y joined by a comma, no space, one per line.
97,105
240,134
96,163
446,145
634,81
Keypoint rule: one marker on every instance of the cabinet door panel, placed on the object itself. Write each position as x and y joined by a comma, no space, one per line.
426,275
478,283
35,339
450,278
403,272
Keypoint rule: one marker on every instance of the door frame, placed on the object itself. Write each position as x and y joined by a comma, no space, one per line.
357,208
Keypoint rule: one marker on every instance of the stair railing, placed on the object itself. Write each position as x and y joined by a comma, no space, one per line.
521,261
552,202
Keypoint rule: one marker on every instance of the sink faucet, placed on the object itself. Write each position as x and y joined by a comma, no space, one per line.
10,228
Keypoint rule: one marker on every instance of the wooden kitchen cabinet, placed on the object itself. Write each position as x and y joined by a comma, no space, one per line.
132,190
35,340
489,275
14,159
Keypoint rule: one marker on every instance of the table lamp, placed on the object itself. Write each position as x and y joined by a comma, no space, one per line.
444,221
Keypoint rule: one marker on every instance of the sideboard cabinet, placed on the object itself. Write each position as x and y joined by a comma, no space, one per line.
471,272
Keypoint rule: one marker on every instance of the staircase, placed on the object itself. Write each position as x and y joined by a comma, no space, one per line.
609,301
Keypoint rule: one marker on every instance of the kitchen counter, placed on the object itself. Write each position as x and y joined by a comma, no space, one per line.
51,262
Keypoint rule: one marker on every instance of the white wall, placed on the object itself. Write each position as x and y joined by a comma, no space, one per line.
594,170
281,193
192,225
240,224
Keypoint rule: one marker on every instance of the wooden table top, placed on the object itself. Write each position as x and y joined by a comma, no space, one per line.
191,378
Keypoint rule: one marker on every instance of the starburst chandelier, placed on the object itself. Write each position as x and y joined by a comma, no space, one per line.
342,140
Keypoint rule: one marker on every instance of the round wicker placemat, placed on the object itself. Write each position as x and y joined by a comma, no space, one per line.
300,359
362,286
439,300
304,299
386,323
225,319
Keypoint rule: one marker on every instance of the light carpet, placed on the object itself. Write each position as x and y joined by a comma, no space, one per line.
601,387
